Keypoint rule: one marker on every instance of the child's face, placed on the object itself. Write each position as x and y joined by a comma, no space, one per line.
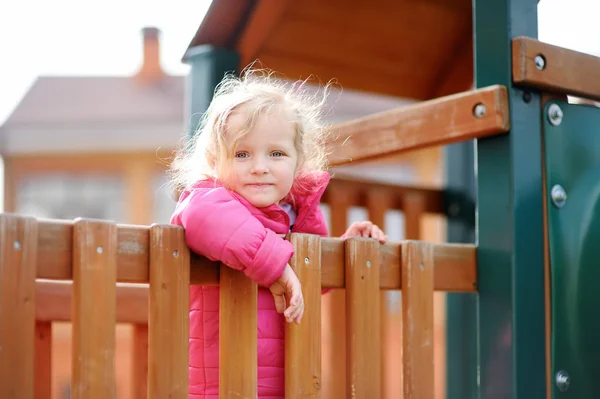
265,160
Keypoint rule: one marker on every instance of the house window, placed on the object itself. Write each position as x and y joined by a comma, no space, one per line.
66,196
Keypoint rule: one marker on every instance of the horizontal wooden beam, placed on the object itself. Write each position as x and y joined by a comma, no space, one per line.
455,264
53,300
435,122
356,191
557,69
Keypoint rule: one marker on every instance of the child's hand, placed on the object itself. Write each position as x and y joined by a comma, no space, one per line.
365,229
288,290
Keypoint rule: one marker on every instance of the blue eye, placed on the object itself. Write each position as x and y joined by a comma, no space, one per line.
242,155
277,154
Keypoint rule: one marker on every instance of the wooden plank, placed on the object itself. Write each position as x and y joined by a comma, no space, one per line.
168,324
435,122
303,342
55,301
414,206
43,360
18,251
417,319
94,285
139,363
363,326
238,338
356,191
456,267
564,71
266,14
334,303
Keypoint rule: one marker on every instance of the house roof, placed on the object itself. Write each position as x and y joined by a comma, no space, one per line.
69,100
410,49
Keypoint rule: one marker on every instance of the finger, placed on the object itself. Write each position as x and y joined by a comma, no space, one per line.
295,303
376,232
279,303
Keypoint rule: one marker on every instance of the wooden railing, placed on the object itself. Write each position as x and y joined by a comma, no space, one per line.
95,255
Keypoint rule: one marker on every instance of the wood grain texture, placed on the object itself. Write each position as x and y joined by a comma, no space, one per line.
455,264
417,319
94,321
363,325
238,338
436,122
18,252
303,341
565,71
168,324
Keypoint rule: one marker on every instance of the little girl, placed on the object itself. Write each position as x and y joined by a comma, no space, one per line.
256,170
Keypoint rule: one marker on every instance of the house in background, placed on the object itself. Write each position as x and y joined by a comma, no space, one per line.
92,146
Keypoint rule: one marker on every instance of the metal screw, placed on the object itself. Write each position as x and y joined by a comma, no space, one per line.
562,380
453,209
17,245
306,260
99,250
527,97
555,114
540,62
479,110
175,253
368,263
559,196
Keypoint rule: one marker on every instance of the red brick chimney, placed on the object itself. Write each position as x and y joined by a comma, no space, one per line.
151,70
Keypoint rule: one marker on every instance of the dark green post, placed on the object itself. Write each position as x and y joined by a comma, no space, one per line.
208,66
510,308
461,325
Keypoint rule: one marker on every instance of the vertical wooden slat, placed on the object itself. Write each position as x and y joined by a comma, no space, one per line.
413,207
18,253
238,358
417,319
168,323
363,377
43,360
378,203
303,342
139,362
94,300
333,309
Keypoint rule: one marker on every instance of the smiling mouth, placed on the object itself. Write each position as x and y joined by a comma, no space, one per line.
259,185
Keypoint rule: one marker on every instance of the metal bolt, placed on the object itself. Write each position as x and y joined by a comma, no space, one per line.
99,250
479,110
562,380
540,62
559,196
175,253
17,245
306,260
555,114
453,209
368,263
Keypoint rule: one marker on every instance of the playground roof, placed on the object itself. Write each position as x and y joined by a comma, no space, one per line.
404,48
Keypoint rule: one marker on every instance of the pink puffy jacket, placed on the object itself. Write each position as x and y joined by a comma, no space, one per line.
222,225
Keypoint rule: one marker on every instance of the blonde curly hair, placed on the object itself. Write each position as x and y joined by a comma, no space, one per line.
256,92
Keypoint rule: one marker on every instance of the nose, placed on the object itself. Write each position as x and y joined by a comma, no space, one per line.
259,167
